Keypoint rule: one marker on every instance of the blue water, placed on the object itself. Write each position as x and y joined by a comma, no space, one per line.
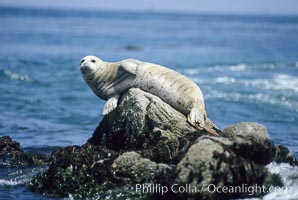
246,66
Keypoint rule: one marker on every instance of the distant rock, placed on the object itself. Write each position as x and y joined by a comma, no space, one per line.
11,154
9,147
133,48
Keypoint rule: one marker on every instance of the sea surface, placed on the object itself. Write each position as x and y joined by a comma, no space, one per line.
246,67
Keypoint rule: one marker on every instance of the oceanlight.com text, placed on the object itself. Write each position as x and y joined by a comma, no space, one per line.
211,188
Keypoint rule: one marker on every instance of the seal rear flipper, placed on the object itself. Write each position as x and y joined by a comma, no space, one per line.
196,117
196,125
200,122
212,129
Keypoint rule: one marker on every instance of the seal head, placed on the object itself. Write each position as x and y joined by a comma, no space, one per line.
90,65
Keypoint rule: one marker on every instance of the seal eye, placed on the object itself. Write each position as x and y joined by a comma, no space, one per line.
82,61
93,61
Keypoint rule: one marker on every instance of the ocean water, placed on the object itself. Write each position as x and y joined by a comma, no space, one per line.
246,67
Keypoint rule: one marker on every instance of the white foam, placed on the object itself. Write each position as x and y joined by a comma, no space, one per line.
240,67
11,182
253,98
286,82
215,68
265,66
16,76
279,82
191,71
226,68
219,68
225,80
289,175
70,197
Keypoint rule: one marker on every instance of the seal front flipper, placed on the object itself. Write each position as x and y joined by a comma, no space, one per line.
110,105
130,66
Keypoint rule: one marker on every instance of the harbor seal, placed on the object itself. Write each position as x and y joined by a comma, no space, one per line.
109,80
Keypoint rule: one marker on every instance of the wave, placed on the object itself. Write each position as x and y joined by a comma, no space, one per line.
224,80
249,83
278,82
254,98
289,175
225,68
240,67
216,68
11,182
16,76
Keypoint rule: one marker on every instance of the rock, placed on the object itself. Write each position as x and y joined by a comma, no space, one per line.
78,170
11,154
8,146
133,48
251,140
237,158
131,168
87,171
145,123
283,155
209,163
248,130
